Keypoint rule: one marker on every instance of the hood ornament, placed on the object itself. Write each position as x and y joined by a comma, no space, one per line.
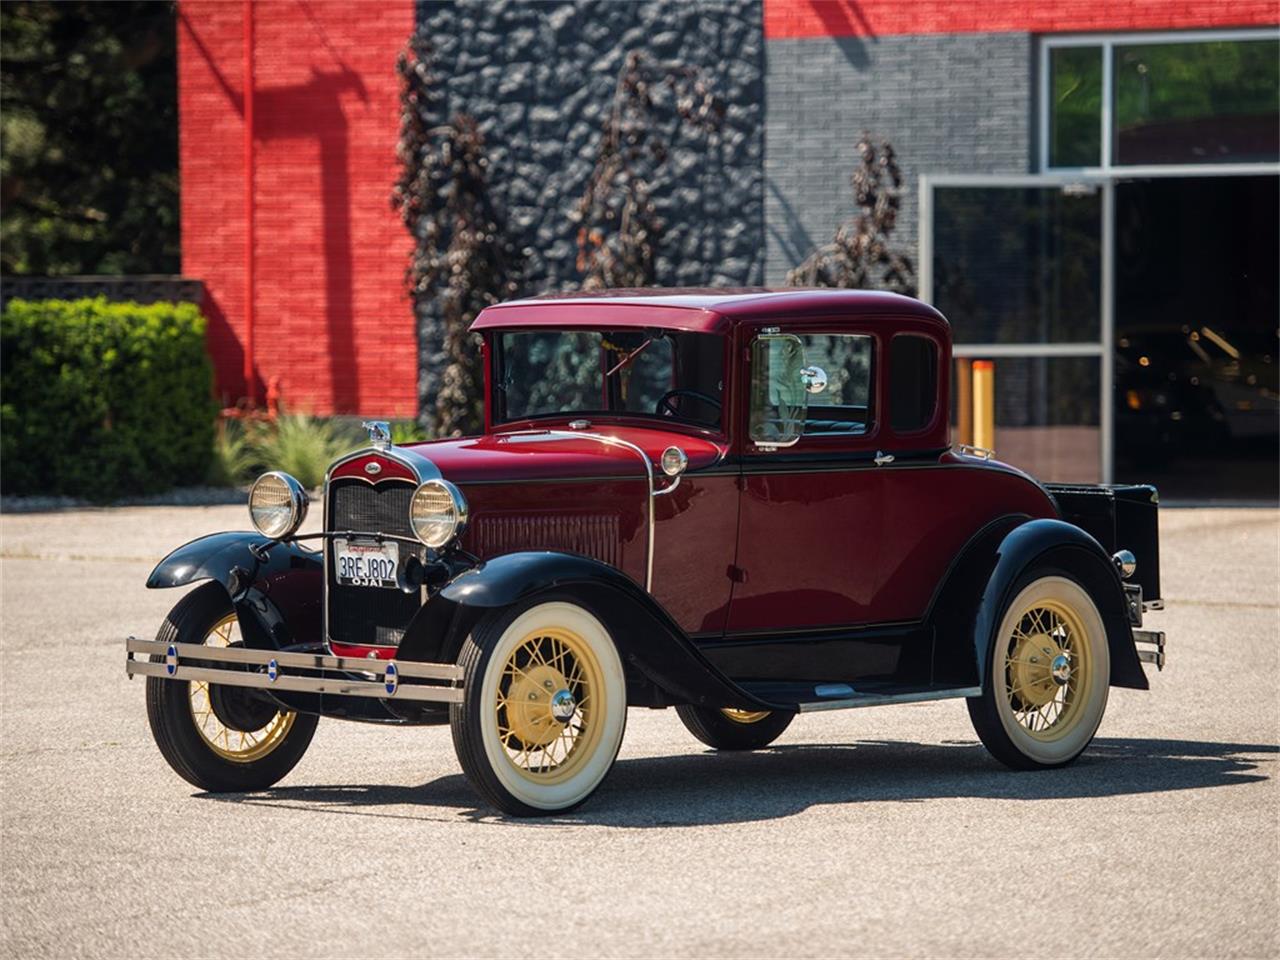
379,433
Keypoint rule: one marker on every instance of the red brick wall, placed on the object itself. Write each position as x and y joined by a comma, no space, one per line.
872,18
332,320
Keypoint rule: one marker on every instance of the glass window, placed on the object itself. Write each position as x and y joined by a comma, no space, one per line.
1075,106
551,373
810,384
1207,102
1018,265
913,382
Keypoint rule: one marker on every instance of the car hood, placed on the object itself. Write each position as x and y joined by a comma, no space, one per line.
540,455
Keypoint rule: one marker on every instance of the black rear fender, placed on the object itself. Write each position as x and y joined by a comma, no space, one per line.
663,666
980,585
277,588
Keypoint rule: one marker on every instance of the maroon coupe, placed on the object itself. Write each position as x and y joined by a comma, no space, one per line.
742,504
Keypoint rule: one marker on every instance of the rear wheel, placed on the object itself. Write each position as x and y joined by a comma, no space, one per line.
1048,674
544,710
729,729
216,737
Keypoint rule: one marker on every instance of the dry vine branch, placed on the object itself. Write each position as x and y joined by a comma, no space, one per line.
462,260
860,254
619,229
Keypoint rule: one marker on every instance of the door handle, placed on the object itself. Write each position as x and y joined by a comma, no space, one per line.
882,458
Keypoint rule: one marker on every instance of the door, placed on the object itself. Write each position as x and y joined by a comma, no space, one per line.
1022,268
809,515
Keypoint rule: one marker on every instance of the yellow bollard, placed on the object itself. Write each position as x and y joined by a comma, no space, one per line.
984,404
964,401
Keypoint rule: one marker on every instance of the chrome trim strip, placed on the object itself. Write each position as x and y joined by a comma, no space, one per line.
533,436
386,672
873,700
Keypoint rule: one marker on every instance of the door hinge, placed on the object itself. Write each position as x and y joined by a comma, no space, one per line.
737,574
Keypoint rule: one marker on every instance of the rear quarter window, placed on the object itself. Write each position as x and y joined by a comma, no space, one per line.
913,382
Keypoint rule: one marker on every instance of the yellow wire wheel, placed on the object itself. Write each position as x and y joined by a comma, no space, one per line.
1050,671
545,711
228,742
745,716
219,737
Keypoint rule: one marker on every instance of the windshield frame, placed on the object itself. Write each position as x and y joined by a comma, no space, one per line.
492,380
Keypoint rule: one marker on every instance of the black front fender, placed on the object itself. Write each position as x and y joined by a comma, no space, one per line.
653,648
989,570
277,588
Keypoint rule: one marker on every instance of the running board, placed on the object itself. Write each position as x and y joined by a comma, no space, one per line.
841,696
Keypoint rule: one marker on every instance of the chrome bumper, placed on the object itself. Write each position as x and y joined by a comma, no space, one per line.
296,672
1150,644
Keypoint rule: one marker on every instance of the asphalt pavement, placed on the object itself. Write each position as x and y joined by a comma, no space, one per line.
886,831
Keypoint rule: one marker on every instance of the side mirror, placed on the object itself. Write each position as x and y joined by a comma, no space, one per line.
814,379
779,391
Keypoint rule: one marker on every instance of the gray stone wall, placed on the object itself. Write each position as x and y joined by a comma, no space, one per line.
539,77
948,104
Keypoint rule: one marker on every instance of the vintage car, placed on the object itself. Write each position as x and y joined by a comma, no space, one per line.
741,504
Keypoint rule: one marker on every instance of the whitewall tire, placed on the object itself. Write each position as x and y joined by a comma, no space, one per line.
544,708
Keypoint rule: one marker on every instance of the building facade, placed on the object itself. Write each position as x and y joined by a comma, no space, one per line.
1090,193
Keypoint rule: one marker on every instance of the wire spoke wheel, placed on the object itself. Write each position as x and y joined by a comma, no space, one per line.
228,740
1046,669
545,704
1049,672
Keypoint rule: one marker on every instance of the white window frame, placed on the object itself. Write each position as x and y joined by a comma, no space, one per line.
1101,348
1108,42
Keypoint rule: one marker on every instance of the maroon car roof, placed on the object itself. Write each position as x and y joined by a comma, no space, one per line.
695,310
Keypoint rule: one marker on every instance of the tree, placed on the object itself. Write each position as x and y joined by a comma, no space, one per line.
619,230
88,122
462,259
860,254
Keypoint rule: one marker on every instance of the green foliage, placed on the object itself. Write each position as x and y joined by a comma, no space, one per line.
235,459
89,134
408,431
101,400
304,446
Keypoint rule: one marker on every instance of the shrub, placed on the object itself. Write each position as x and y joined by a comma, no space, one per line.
234,460
303,446
101,400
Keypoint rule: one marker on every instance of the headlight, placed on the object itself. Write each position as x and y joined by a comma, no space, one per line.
437,513
277,505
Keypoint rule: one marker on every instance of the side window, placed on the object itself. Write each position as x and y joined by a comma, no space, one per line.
913,382
811,384
844,406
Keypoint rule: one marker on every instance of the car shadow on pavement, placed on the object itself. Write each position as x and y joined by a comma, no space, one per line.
780,781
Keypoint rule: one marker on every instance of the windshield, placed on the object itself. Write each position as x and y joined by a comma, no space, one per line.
657,373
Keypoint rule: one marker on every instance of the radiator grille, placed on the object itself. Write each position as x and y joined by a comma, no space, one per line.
592,535
370,616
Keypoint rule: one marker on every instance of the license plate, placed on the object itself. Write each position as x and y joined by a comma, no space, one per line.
364,563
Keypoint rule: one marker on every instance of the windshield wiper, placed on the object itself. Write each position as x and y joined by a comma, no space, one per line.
626,361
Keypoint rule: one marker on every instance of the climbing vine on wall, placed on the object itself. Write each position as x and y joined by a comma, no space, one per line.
462,259
619,229
862,254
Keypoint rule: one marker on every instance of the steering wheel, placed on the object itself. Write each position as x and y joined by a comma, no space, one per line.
664,407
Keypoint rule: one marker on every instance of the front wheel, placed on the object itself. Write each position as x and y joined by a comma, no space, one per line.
1048,673
544,707
729,729
219,738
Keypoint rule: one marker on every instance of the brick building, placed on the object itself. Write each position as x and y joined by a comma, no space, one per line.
1091,191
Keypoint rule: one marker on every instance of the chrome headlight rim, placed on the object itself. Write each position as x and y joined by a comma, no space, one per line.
297,499
438,540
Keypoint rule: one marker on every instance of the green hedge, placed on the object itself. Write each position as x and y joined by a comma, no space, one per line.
103,400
